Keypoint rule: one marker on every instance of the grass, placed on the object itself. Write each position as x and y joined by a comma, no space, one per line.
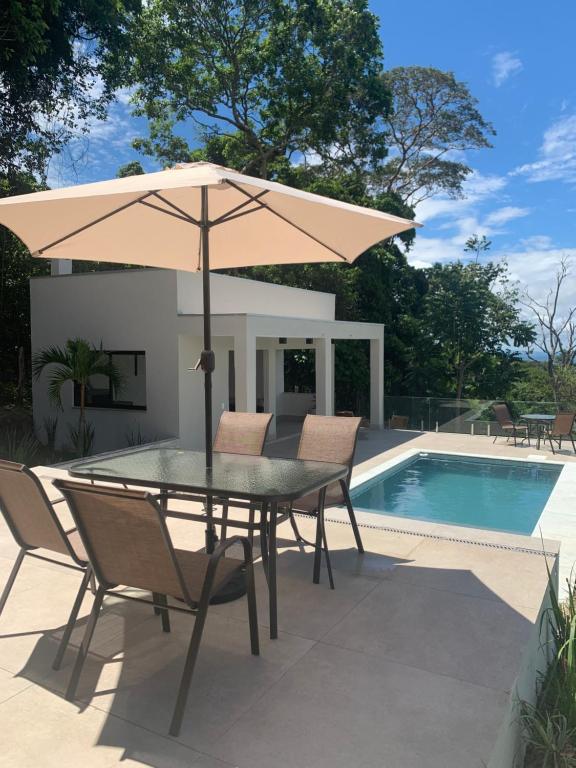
550,725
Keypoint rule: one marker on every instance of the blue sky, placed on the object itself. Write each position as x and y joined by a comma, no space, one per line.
517,59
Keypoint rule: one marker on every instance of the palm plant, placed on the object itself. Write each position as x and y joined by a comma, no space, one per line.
77,362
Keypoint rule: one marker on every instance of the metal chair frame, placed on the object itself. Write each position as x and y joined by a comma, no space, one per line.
511,426
550,436
320,544
26,551
200,609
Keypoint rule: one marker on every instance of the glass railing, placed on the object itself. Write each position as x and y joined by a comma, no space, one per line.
466,416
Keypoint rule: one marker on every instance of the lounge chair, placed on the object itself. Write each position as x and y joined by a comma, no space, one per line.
508,426
34,524
330,439
128,542
562,426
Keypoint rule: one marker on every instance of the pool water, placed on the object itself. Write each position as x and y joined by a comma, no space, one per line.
482,493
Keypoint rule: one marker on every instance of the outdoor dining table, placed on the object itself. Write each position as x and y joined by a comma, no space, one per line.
540,421
270,482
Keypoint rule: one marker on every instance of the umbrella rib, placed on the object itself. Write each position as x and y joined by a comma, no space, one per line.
169,213
92,223
230,214
181,211
287,221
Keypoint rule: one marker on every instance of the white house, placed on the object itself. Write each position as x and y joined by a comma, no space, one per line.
150,322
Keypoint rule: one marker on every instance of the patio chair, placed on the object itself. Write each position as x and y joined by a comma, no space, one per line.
242,433
128,542
562,426
330,439
508,426
34,524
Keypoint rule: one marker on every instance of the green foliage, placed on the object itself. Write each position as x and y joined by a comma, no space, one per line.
19,445
134,168
59,64
274,77
77,362
470,321
16,268
550,726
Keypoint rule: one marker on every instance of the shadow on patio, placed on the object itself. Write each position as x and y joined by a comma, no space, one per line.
404,661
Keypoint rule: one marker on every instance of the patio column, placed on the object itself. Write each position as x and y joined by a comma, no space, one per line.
270,396
324,377
245,369
377,382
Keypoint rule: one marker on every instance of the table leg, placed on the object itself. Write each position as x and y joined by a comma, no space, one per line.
211,537
264,538
272,572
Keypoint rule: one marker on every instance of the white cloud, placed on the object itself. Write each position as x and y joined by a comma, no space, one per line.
504,66
556,156
504,215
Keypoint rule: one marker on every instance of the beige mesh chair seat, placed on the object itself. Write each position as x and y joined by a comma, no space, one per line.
34,524
561,427
329,439
509,427
129,545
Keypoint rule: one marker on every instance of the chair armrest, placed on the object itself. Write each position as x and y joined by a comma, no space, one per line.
218,553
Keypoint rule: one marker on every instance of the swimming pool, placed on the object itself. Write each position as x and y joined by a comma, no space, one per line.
496,494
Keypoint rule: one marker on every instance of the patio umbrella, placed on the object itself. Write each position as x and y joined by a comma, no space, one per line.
195,217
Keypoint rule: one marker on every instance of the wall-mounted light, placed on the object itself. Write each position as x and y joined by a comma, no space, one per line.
282,340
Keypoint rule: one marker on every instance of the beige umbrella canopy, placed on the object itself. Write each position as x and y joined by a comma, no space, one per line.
146,220
196,216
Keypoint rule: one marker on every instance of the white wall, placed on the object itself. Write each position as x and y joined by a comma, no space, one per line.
238,295
123,310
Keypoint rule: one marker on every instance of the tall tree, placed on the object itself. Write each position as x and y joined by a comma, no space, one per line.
59,65
433,120
556,337
470,320
272,78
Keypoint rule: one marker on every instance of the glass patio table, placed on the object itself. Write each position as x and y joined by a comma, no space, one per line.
270,482
540,421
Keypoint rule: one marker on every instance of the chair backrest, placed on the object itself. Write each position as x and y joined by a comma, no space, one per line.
563,424
28,511
126,537
503,415
329,438
243,433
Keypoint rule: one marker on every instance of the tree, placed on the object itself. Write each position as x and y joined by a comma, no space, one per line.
133,168
17,266
470,319
477,245
59,65
267,78
556,338
77,362
434,118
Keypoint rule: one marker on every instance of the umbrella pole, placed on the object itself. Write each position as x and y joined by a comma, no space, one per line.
207,359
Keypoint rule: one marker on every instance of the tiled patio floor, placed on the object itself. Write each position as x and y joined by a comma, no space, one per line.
407,664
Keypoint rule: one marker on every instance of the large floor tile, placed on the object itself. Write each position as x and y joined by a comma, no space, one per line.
136,677
10,685
304,609
468,638
338,708
42,730
516,578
